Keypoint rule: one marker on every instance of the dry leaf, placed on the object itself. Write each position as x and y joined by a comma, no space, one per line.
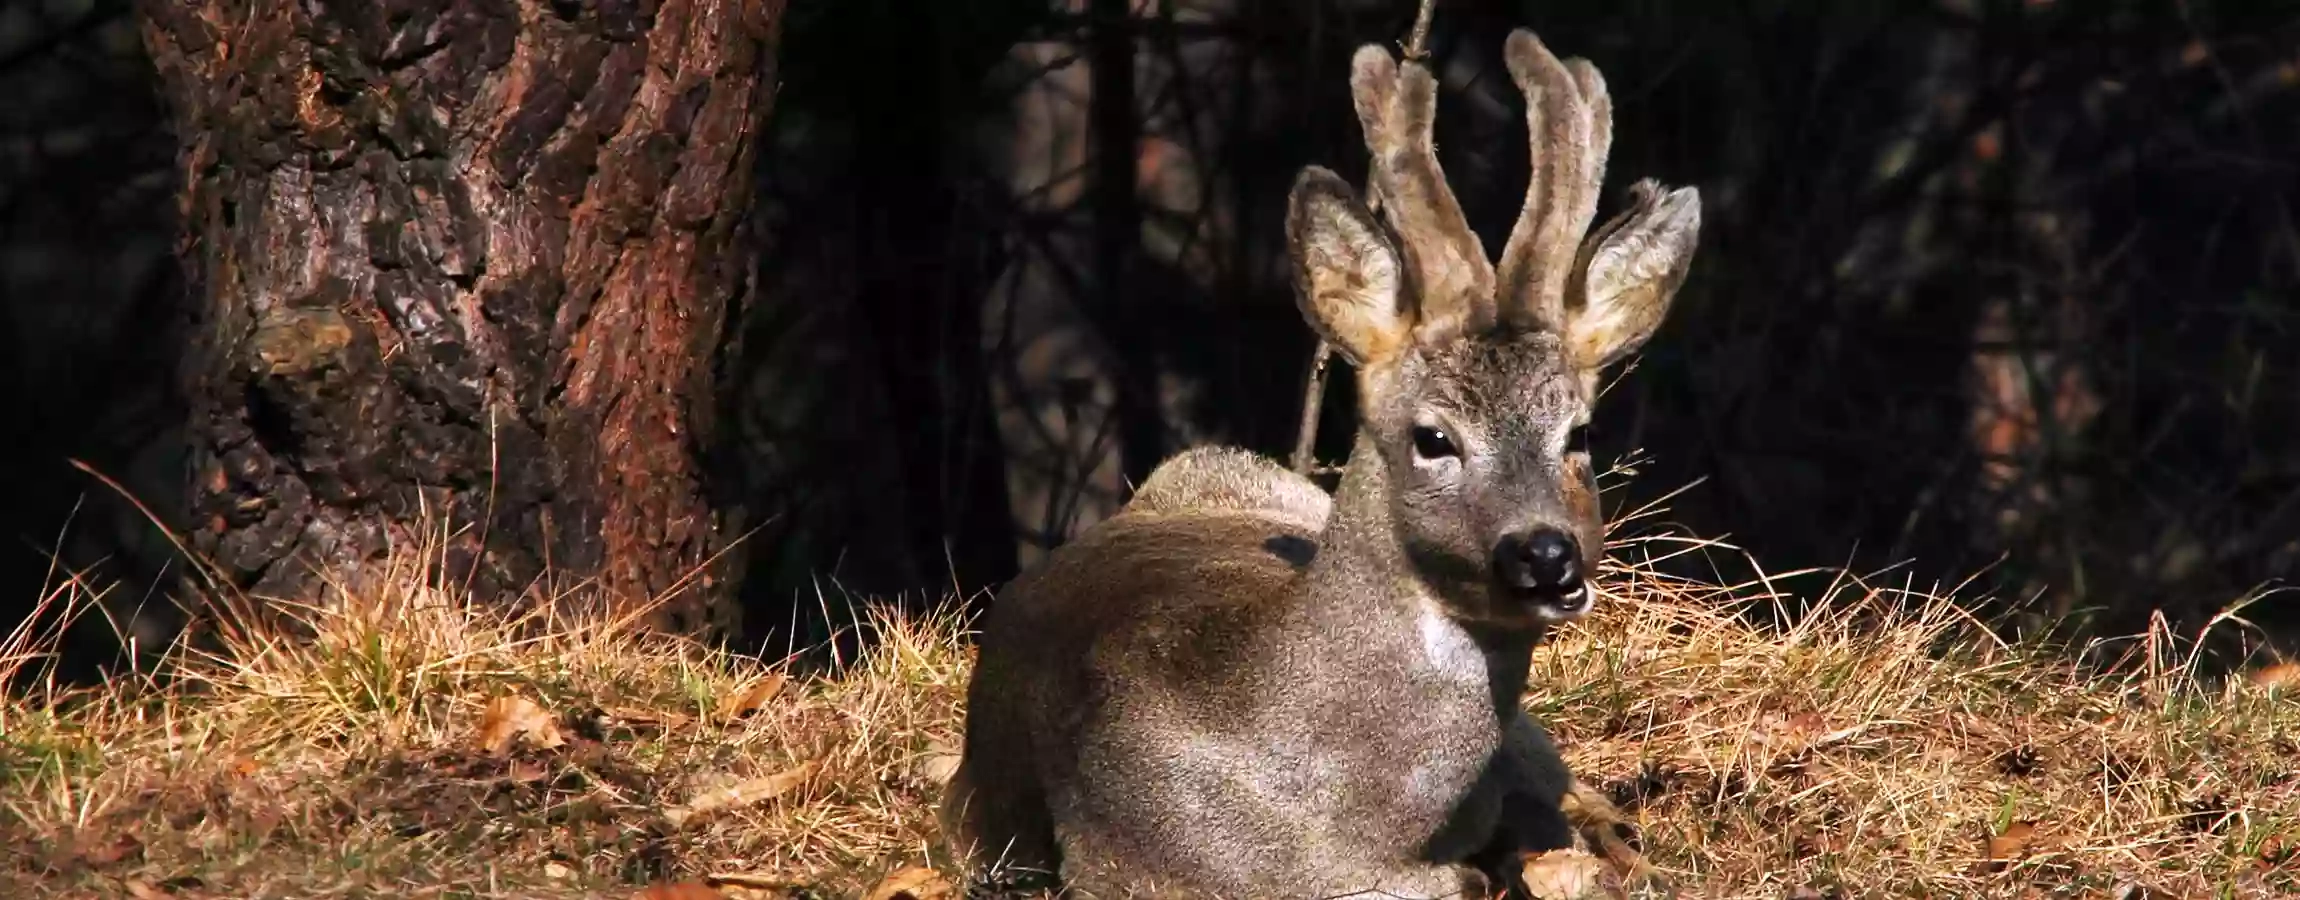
2013,842
1775,729
2278,849
685,890
938,768
750,698
2003,848
508,719
756,790
912,883
1569,875
142,890
2283,675
1601,827
557,870
939,763
754,885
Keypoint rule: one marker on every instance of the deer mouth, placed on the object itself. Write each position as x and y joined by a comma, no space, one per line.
1557,605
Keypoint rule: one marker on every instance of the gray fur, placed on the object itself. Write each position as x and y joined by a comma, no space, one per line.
1164,708
1228,478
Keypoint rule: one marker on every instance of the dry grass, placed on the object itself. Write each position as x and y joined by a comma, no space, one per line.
1874,749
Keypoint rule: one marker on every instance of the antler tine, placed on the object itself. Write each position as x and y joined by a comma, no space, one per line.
1569,116
1397,105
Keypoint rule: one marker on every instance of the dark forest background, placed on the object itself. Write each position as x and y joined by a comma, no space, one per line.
1999,290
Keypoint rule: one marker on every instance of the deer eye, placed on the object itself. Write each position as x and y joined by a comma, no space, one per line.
1432,443
1577,439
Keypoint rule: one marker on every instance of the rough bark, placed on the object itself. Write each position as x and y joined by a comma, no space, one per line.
463,266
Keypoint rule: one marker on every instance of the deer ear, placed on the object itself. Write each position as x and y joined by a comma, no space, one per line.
1346,272
1631,269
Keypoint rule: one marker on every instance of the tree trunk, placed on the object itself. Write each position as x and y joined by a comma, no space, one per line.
461,268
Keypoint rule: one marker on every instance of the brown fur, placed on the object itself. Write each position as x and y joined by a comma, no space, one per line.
1169,707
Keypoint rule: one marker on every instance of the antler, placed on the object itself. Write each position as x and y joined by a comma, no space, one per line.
1570,119
1453,280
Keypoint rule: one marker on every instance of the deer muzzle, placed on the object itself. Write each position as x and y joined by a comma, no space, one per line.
1541,569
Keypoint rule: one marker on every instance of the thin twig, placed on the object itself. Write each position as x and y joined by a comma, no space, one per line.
1418,40
1314,392
1313,402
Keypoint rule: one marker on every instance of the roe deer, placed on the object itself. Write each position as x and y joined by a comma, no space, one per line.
1236,687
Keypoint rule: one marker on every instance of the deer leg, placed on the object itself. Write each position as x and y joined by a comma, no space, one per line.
1606,830
1544,808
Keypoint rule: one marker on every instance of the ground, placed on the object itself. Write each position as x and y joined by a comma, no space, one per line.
410,746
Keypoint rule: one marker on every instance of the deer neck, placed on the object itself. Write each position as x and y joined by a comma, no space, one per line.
1362,573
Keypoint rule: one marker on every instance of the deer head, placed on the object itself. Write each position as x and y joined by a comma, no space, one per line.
1475,389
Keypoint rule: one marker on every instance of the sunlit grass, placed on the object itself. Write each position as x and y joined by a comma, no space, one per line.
1874,747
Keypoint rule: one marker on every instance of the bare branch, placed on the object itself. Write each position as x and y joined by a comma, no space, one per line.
1418,40
1305,459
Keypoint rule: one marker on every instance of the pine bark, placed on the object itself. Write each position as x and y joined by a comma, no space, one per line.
460,273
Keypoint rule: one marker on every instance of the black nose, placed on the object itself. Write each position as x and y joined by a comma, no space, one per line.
1543,559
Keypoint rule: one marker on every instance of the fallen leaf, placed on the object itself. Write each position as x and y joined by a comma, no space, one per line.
684,890
1805,731
754,885
2013,842
938,768
2281,676
2007,846
750,698
756,790
1602,827
2278,849
142,890
508,719
557,870
912,883
1568,875
938,764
